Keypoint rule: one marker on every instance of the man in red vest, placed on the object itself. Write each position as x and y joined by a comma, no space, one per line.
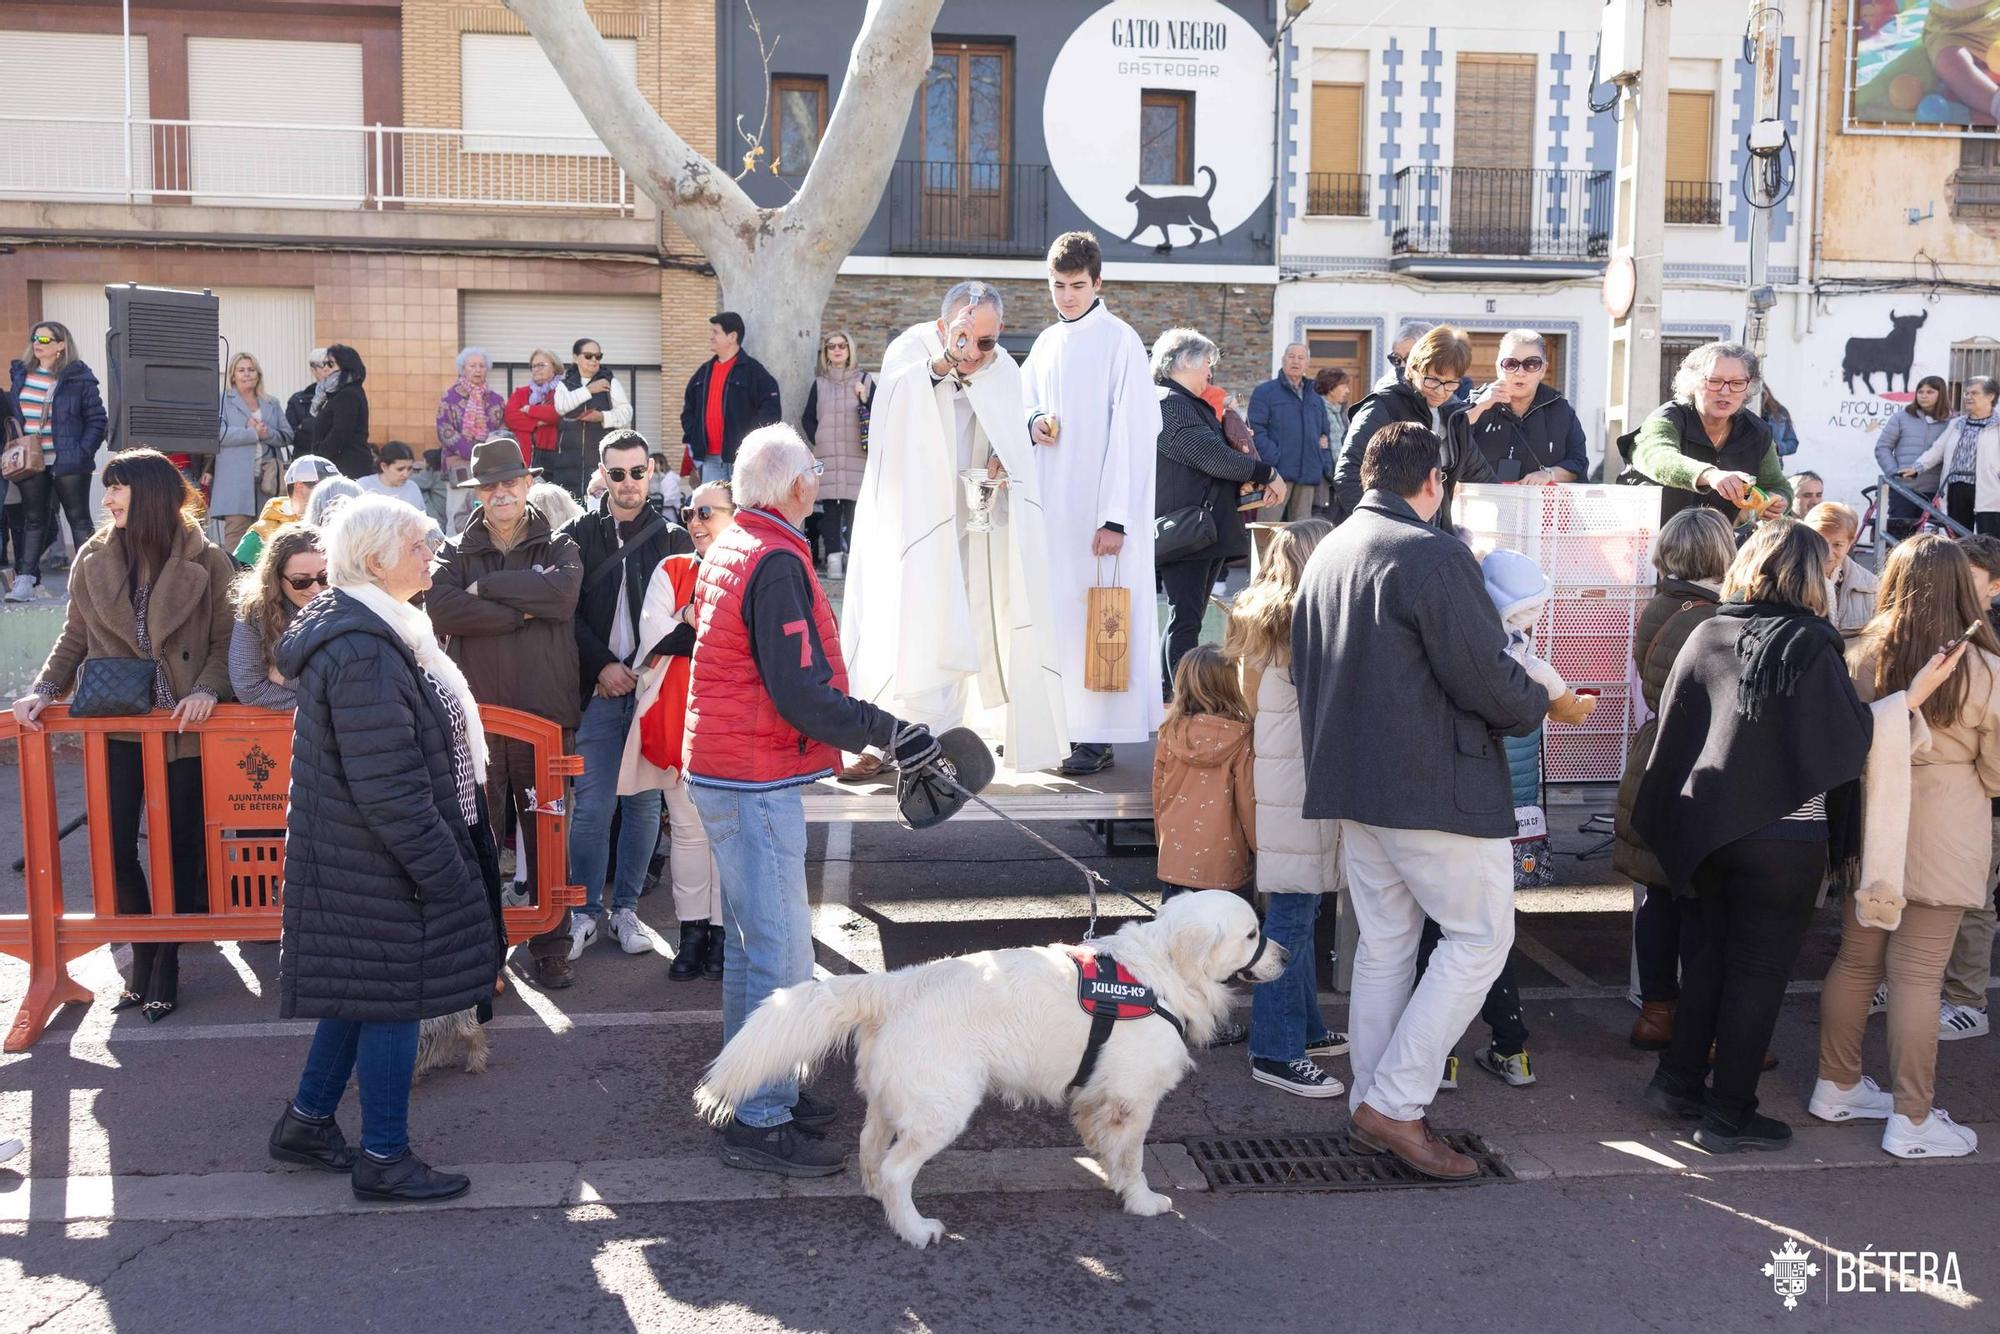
768,712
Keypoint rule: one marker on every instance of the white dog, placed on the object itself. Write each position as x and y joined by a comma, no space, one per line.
935,1039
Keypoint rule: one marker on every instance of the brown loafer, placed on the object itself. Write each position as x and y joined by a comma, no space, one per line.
864,768
1653,1030
1413,1143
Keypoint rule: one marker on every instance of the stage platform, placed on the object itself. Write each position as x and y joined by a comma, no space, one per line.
1122,792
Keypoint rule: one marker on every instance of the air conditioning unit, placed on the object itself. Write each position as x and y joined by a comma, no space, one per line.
1622,41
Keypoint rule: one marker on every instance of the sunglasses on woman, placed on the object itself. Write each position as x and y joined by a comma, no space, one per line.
43,340
301,582
703,512
1521,363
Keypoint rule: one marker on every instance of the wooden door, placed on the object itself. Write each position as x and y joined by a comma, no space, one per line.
966,115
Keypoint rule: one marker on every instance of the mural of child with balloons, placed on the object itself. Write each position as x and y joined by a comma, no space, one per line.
1928,62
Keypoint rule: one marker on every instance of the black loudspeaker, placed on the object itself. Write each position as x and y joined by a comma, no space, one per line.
165,383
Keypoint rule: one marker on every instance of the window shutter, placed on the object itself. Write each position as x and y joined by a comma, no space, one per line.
59,75
1336,128
512,98
1690,136
255,84
1494,121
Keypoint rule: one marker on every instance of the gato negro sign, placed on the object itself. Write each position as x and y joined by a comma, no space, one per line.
1104,98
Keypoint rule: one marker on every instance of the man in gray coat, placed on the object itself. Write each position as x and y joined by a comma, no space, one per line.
1395,637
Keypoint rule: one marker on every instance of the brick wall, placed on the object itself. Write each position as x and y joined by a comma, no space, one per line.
874,310
400,312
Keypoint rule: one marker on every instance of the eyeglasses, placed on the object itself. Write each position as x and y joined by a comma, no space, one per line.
815,468
301,582
321,365
690,513
1522,363
590,356
43,340
987,344
637,474
835,343
1431,384
1727,386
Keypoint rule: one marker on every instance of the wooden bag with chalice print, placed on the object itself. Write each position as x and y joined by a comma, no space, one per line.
1107,657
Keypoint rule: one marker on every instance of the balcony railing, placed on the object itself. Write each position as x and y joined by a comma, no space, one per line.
1694,203
307,166
1503,212
968,208
1336,194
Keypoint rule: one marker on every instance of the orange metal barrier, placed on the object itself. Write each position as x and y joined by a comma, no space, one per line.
246,757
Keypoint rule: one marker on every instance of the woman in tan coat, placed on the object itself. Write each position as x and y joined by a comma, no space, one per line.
149,585
836,426
1927,599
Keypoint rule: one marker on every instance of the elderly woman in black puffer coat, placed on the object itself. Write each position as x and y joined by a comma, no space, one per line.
392,885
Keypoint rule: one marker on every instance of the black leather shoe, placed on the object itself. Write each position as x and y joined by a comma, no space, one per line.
711,963
311,1143
407,1180
1085,759
128,1000
1756,1131
814,1113
691,954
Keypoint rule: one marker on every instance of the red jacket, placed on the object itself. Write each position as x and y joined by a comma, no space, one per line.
663,728
536,427
767,700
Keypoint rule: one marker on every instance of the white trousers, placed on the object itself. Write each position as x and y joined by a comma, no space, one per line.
690,860
1400,1036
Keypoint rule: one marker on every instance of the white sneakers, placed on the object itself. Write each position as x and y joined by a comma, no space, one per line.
631,935
582,934
1938,1137
23,589
1866,1101
1960,1021
1880,1002
836,565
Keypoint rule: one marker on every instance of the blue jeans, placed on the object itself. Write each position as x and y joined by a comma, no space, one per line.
714,468
759,840
1284,1013
600,740
383,1056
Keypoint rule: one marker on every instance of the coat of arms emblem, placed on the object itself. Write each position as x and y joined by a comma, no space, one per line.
256,765
1789,1271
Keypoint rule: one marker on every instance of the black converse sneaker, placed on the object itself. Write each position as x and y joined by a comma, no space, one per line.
1333,1044
1302,1077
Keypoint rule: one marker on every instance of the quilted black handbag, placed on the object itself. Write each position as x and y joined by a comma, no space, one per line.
112,688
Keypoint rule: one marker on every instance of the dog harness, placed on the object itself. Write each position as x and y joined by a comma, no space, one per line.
1109,993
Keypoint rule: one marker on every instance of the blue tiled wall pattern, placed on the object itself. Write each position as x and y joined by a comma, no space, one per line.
1391,151
1430,119
1289,77
1558,155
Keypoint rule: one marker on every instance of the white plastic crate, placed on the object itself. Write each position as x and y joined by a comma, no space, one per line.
1595,751
1579,535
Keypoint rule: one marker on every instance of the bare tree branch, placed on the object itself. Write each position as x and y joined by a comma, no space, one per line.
854,159
710,207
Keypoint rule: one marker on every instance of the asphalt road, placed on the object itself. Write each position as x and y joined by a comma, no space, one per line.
144,1199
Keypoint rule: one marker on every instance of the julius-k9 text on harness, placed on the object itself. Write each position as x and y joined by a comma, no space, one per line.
1109,993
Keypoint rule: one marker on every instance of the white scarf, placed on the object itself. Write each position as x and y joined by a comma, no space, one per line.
413,627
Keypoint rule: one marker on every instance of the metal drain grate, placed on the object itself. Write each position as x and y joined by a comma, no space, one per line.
1325,1162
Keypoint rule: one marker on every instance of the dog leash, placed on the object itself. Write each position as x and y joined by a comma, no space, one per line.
1091,879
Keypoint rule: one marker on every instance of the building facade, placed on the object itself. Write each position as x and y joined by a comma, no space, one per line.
1149,122
1457,169
408,178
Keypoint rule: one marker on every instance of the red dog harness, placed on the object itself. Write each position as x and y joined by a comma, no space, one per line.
1108,993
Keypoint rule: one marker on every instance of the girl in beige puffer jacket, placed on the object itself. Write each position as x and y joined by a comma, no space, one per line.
1297,859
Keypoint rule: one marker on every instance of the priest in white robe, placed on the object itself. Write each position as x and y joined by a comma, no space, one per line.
939,624
1094,416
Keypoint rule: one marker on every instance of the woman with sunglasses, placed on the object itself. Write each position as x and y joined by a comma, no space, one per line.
290,572
147,586
1422,393
836,426
57,404
653,747
1707,447
1527,431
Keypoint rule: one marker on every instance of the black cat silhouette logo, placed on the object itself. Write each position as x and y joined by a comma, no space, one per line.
1166,211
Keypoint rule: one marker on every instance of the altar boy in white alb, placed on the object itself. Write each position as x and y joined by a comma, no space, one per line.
946,618
1094,416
